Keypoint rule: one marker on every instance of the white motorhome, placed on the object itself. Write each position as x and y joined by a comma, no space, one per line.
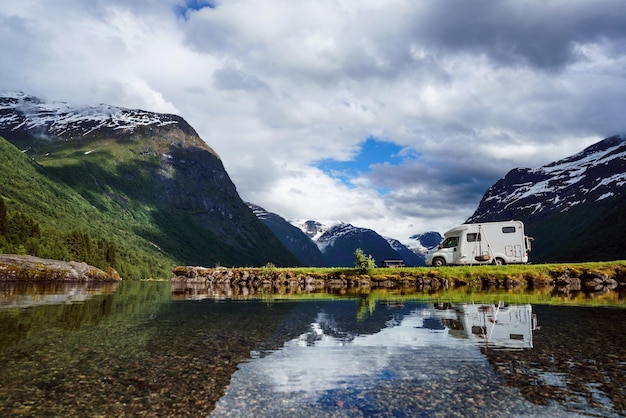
482,243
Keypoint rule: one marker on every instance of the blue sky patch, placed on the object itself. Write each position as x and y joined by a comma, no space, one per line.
181,9
373,151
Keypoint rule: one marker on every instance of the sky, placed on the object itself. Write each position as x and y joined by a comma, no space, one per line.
393,115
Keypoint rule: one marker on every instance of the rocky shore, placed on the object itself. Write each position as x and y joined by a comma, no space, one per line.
255,279
29,268
245,281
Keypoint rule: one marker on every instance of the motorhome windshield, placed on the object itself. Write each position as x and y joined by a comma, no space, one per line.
450,242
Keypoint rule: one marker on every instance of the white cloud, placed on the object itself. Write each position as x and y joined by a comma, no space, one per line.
274,87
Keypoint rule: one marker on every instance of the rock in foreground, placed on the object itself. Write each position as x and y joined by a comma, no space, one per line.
29,268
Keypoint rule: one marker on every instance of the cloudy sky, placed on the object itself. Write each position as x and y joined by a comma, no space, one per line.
395,115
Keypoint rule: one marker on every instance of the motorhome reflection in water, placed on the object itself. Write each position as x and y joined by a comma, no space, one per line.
498,325
482,243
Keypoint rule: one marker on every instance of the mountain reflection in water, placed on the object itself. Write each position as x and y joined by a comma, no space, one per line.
142,350
425,360
441,360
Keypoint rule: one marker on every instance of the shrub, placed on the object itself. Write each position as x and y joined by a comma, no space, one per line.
362,262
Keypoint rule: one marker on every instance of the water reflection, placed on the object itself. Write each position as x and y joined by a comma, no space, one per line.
579,360
28,294
411,364
495,325
141,351
429,359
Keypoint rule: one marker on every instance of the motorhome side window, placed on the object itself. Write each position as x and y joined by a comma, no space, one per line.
473,237
450,242
508,229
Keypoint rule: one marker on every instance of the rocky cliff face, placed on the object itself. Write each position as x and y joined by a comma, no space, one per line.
154,166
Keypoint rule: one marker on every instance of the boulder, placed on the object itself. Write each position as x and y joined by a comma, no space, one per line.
15,267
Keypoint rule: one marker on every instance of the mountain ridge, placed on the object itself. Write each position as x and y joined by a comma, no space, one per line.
292,237
594,174
161,187
24,114
572,207
151,172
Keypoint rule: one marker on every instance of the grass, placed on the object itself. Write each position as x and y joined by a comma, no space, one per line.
474,273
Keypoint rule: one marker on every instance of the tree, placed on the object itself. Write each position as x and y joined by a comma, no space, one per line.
21,227
79,246
363,263
3,217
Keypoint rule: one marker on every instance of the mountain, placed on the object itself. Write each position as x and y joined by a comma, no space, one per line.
337,242
292,237
410,257
426,241
146,181
334,242
314,229
575,208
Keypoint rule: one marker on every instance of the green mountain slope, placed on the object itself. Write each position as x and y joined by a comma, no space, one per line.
27,188
156,191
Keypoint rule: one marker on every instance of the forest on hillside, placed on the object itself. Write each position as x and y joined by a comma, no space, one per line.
21,234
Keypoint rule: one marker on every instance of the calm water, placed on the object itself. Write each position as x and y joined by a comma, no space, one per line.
139,349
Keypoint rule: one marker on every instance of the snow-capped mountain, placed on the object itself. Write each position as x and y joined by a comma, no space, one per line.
573,207
338,240
23,113
410,256
594,174
292,237
149,173
314,229
426,241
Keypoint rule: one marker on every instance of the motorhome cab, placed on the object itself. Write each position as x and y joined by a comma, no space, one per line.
482,243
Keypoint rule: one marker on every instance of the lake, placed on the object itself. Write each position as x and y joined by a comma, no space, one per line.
144,349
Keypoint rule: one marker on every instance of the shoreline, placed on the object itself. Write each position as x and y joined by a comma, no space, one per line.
591,277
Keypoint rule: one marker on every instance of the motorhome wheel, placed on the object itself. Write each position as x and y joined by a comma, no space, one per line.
438,262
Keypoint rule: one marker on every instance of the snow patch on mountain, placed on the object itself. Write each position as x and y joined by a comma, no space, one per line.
314,229
335,232
258,211
426,241
596,173
19,111
395,244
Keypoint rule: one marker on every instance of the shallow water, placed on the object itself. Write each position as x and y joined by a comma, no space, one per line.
138,350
